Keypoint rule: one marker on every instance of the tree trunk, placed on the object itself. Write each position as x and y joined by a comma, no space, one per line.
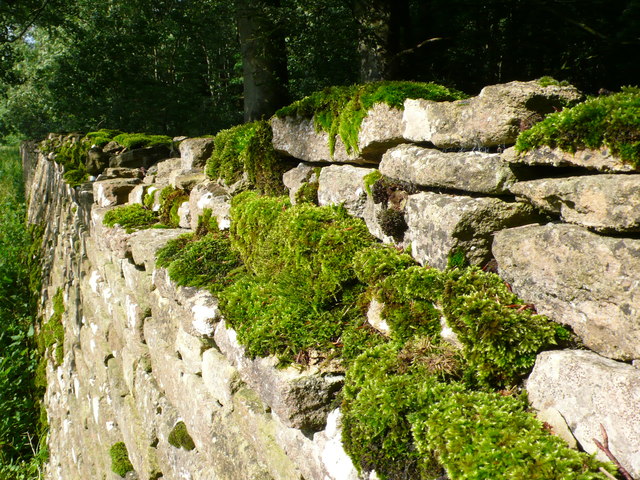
264,60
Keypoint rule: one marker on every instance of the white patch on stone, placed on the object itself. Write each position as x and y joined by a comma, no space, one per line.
132,311
94,328
94,279
224,224
76,386
205,201
95,407
92,345
110,426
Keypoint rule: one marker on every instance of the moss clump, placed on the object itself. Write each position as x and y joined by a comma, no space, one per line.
375,263
207,223
369,179
501,335
180,438
308,193
205,262
51,335
610,121
246,151
171,199
103,136
549,81
142,140
489,435
120,463
130,217
392,223
300,292
341,110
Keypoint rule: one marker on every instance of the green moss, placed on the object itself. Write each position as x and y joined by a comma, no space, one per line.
103,136
120,463
149,197
180,438
194,261
373,264
142,140
308,193
548,81
247,151
130,217
392,223
207,223
369,179
501,335
464,430
171,199
51,335
609,121
341,110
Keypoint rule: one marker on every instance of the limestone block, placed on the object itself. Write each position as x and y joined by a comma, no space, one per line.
601,160
137,281
440,225
194,152
184,214
468,171
301,399
493,118
343,185
578,278
374,317
605,203
297,137
213,196
112,192
188,179
295,178
554,419
370,217
589,390
220,378
190,349
145,243
140,157
120,172
167,170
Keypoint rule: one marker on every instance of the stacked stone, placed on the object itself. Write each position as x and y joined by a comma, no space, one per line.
562,227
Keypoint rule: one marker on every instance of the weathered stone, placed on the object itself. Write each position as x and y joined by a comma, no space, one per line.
578,278
190,349
295,178
213,196
301,399
188,179
168,170
558,425
374,317
140,157
195,152
601,160
440,225
298,137
145,244
184,214
220,378
468,171
589,391
97,161
494,118
112,192
343,185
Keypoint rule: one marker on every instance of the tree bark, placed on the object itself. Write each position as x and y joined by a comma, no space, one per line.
264,60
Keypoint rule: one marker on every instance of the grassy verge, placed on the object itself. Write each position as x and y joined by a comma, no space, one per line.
21,433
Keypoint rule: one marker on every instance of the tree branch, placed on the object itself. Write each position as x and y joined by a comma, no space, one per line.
604,446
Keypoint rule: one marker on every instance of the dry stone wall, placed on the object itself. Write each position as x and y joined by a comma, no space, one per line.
143,355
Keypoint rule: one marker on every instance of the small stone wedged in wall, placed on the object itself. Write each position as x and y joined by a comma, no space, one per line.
604,203
343,185
210,195
140,157
492,119
441,225
589,391
467,171
577,278
298,137
601,160
295,178
301,399
145,243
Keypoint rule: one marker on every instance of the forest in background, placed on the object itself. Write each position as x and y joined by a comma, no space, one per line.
186,67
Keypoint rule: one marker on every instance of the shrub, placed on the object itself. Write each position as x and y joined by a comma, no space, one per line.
120,463
608,121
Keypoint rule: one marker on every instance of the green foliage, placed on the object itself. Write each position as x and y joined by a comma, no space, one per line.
21,453
341,110
308,192
130,217
247,150
103,136
71,153
375,263
141,140
371,178
489,435
180,438
195,261
299,293
547,81
501,335
608,121
207,223
171,199
120,463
